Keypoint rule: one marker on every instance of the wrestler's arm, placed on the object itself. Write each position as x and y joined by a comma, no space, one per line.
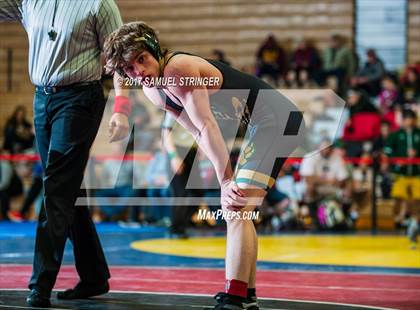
156,98
118,123
198,119
197,107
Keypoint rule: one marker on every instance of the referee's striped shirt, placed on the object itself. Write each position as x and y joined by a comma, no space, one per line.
81,26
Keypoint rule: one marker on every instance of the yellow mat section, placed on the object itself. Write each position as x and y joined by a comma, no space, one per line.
384,251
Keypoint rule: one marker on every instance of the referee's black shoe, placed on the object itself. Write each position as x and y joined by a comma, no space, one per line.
37,300
83,291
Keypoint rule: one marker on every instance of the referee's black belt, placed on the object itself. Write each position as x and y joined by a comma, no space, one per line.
48,90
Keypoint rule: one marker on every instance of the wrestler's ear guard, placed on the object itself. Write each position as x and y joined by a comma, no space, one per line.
152,44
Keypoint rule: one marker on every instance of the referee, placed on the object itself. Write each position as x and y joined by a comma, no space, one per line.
65,43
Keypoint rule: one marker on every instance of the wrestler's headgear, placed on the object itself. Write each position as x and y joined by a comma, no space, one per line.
152,45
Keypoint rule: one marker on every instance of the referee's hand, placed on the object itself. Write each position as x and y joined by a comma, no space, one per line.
118,127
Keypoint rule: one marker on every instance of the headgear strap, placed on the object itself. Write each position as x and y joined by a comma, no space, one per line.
153,45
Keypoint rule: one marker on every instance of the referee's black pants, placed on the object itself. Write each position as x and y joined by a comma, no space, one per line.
66,123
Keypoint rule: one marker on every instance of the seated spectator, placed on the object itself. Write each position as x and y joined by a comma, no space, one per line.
219,55
117,183
18,135
363,123
362,182
157,180
388,102
34,191
337,61
369,77
378,154
405,143
388,95
325,175
271,60
304,62
10,186
283,201
143,136
181,149
379,142
409,91
394,117
280,212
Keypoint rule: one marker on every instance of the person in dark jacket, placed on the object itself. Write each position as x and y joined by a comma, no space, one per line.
369,77
271,60
305,61
405,143
18,134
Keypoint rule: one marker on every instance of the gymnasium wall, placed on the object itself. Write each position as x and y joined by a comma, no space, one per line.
238,29
199,26
413,31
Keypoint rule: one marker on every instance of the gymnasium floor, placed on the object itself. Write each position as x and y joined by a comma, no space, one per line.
295,271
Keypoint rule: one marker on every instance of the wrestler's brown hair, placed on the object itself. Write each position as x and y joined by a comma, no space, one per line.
125,43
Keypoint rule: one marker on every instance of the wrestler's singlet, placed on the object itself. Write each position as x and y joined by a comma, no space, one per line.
275,125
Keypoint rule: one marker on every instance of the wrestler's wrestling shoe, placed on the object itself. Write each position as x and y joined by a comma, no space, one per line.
251,303
231,302
81,291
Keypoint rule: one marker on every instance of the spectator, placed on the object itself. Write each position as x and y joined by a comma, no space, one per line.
6,174
117,175
271,60
283,201
144,136
220,56
10,186
182,150
362,182
385,181
363,123
34,191
405,143
157,180
281,212
388,95
325,175
305,61
369,77
18,134
339,62
379,142
409,91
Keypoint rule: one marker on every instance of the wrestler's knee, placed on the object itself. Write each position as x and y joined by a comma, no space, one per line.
248,213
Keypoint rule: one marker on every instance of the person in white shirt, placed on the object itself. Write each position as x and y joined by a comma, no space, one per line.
324,173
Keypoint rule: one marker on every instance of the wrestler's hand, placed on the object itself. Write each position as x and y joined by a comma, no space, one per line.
118,127
231,196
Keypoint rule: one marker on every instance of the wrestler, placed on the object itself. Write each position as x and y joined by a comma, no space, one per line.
134,51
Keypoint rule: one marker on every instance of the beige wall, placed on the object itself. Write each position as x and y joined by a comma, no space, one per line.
238,27
413,31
